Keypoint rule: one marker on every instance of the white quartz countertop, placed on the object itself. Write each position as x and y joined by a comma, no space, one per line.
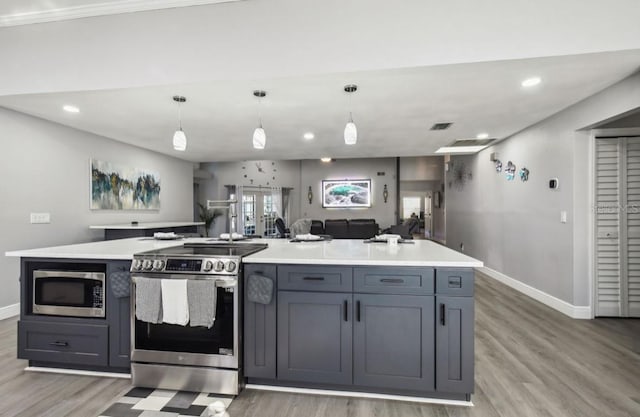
356,252
281,251
150,225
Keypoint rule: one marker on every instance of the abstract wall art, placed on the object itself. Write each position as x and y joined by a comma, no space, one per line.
117,187
346,193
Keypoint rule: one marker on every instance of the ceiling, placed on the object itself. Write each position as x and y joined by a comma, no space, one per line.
20,12
415,65
393,109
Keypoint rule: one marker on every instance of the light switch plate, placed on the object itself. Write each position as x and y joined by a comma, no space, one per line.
39,218
563,216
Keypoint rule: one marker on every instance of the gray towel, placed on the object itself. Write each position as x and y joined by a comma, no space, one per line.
300,227
201,294
120,283
149,300
259,289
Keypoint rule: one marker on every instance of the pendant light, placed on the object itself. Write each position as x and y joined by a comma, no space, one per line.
259,137
350,130
179,138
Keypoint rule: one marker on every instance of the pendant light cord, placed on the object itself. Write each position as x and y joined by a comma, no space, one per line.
180,114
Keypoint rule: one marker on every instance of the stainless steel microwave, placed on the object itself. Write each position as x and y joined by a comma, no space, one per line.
69,293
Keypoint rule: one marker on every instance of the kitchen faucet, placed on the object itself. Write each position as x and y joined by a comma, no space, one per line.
231,206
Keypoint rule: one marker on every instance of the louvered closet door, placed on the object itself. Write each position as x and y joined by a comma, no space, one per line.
617,197
632,287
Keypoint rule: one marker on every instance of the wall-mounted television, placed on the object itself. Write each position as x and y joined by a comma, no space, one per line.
346,193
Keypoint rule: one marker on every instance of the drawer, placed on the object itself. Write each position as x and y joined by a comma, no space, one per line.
85,344
390,280
454,281
315,278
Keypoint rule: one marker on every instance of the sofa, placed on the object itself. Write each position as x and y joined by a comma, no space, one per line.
346,229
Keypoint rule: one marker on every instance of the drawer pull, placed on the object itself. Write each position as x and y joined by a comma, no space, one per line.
442,312
358,310
393,280
59,344
313,278
346,310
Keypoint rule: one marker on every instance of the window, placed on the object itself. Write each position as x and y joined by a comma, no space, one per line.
410,205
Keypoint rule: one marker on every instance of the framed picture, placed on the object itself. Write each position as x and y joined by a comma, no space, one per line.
117,187
346,193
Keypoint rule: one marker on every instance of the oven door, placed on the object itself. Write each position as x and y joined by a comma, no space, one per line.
185,345
68,293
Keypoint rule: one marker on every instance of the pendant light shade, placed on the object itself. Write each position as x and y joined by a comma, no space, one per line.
350,130
259,136
350,133
179,138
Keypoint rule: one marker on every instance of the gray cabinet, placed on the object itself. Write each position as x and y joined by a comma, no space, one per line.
68,343
314,337
118,316
454,344
393,341
259,329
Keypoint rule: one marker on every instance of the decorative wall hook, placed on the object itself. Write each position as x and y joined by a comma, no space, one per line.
385,193
310,195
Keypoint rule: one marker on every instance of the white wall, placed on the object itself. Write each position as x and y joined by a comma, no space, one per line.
514,227
314,171
45,168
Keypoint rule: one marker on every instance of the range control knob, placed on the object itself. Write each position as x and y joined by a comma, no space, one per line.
208,266
137,264
147,264
158,264
219,266
231,266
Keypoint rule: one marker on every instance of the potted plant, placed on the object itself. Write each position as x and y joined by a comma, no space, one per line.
208,217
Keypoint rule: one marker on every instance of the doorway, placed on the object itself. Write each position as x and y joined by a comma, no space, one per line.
617,226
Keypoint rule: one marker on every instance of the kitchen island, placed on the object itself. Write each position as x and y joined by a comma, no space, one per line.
344,315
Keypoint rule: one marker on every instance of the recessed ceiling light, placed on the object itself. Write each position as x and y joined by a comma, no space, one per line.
482,135
71,109
460,149
309,135
325,159
530,82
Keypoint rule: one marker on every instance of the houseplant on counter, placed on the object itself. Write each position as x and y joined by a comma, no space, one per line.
209,217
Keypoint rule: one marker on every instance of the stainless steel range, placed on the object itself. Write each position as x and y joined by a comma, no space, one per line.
189,358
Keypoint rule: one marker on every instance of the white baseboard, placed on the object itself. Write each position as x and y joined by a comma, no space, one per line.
9,311
576,312
356,394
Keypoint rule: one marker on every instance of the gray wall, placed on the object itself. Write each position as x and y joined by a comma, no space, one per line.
299,175
514,227
314,171
45,168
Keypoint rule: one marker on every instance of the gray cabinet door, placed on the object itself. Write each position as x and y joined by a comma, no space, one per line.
259,329
454,344
394,341
118,316
314,337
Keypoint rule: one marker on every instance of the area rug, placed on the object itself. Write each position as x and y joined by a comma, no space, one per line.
150,402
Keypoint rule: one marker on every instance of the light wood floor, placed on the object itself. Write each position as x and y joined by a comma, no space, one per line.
530,361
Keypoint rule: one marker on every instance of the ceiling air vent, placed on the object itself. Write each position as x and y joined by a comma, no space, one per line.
441,126
471,142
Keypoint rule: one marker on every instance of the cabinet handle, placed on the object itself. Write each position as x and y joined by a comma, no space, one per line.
442,312
393,280
346,310
313,278
59,344
358,310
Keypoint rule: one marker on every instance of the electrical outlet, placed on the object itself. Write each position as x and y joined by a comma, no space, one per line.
38,218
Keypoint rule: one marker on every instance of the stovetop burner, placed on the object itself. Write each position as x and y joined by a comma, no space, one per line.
198,258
